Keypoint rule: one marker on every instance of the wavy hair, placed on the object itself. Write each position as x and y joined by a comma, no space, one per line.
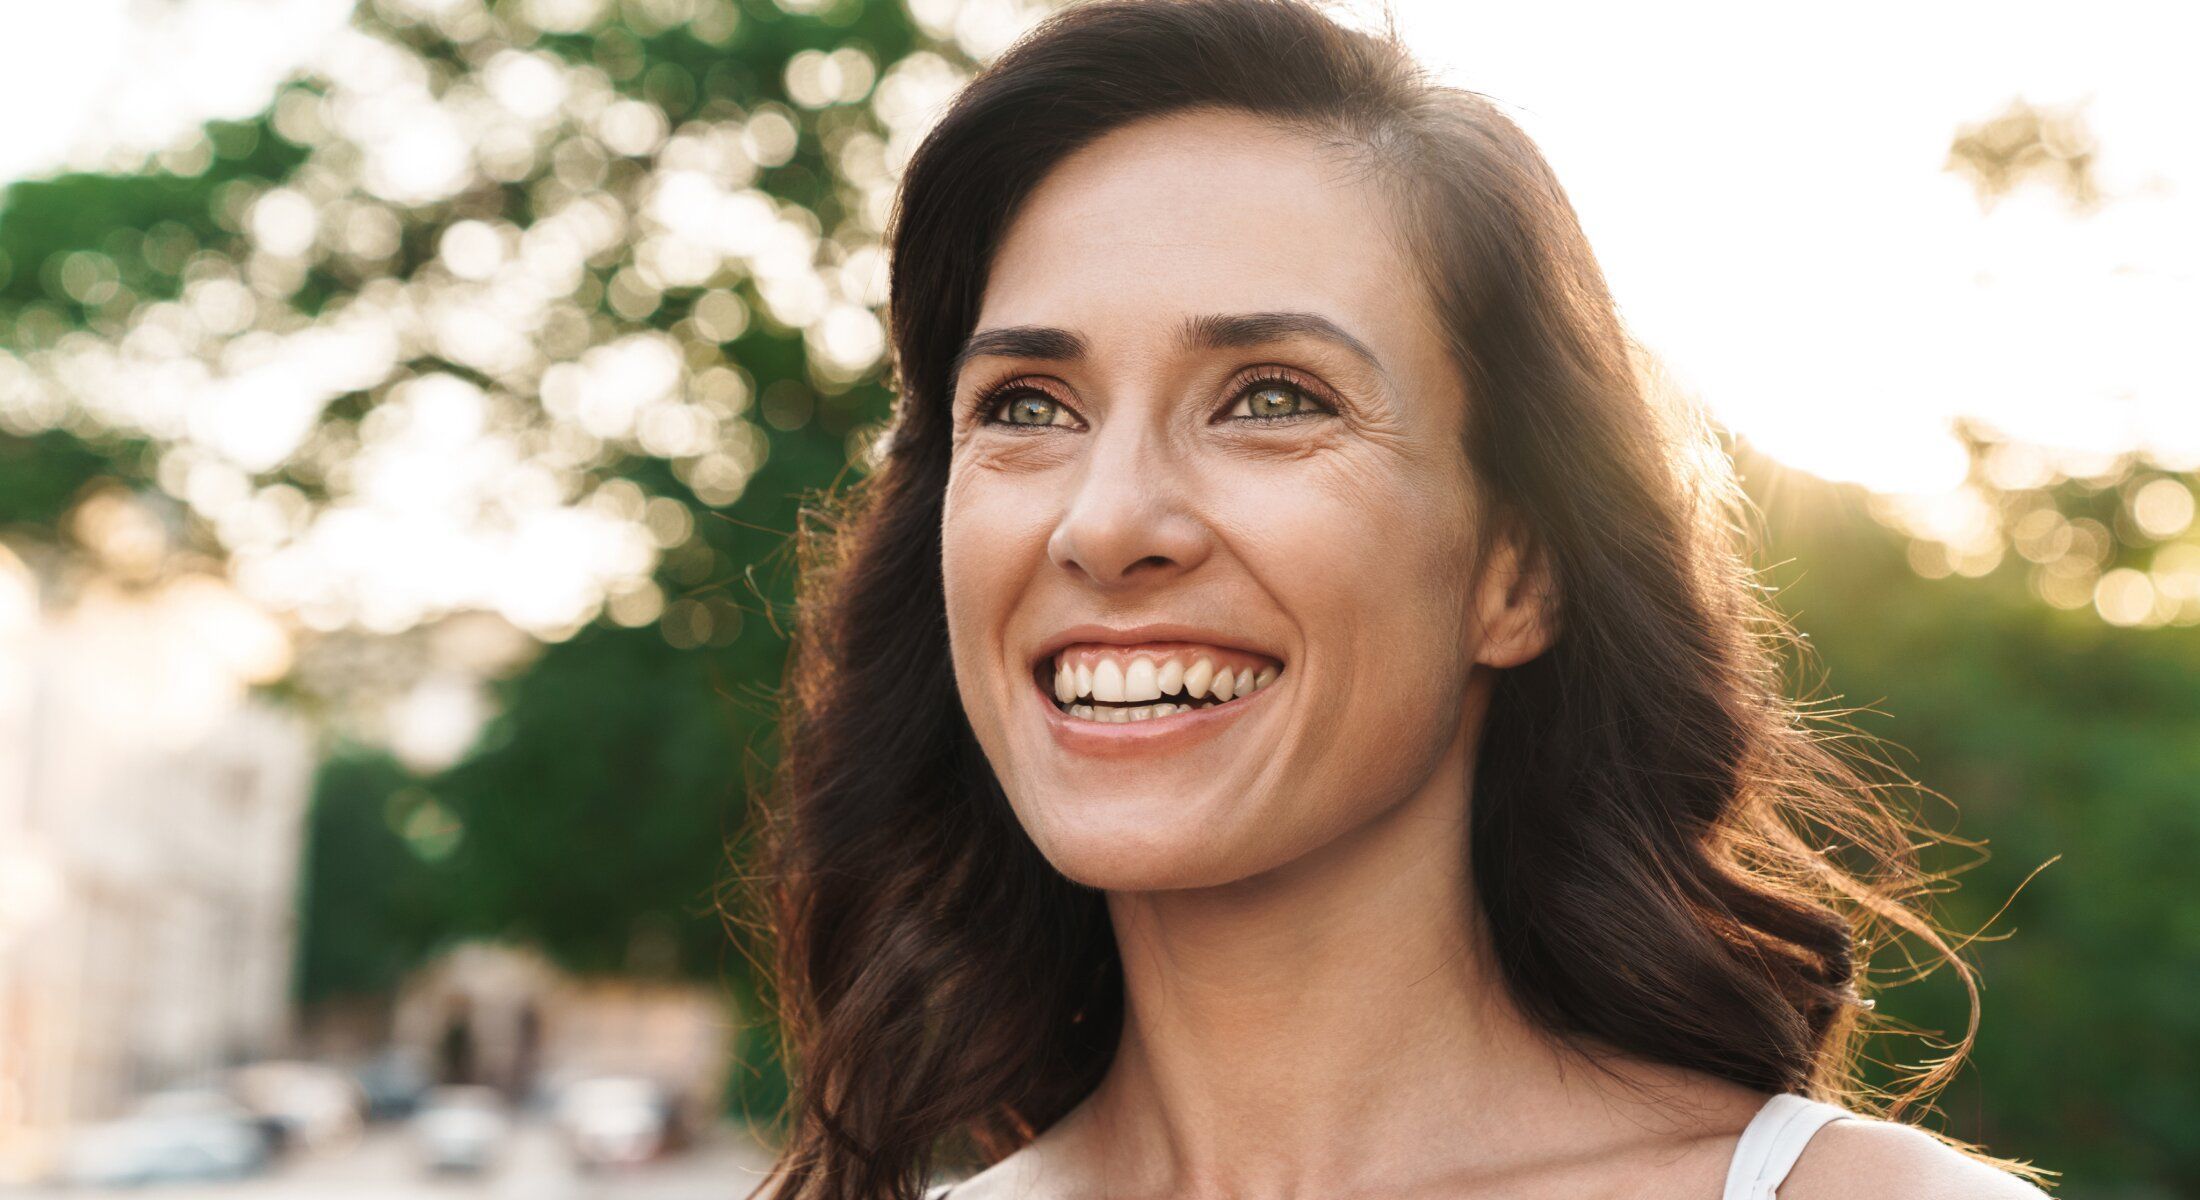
1674,862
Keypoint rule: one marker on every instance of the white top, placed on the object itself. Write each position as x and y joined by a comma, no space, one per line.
1772,1141
1767,1151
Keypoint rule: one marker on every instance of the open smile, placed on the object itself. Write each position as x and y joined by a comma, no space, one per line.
1108,698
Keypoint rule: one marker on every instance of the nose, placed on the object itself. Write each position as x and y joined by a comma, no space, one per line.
1128,522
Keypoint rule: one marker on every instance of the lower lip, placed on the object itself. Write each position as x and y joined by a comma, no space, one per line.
1154,735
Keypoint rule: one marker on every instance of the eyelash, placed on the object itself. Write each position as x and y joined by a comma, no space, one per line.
990,400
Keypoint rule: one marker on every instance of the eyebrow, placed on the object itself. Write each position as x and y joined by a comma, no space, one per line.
1214,332
1019,341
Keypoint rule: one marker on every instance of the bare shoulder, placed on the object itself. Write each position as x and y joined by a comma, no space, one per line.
1890,1160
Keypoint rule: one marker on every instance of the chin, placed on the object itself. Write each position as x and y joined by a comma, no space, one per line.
1139,843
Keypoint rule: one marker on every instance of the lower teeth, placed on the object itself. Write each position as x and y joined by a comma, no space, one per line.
1108,715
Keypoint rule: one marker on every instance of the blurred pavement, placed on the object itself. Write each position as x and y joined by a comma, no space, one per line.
726,1165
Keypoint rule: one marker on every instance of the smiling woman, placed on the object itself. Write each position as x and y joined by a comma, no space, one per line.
1290,715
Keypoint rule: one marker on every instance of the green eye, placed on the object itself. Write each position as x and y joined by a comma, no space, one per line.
1033,410
1275,400
1272,400
1027,407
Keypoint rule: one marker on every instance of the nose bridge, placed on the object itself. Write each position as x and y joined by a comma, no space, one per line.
1127,515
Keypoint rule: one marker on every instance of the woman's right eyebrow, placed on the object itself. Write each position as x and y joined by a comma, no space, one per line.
1019,341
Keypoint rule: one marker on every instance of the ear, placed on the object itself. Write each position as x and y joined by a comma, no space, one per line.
1517,601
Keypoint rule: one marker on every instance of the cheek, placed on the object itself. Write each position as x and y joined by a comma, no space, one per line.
1361,545
966,569
1370,558
991,542
989,527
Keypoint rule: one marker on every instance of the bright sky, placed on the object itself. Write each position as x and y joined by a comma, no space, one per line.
93,78
1765,187
1764,184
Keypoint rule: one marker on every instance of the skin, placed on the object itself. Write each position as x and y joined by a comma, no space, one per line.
1290,894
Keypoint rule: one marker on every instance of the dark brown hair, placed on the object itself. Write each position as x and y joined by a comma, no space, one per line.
1672,862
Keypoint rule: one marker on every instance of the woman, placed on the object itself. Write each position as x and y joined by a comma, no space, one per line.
1285,718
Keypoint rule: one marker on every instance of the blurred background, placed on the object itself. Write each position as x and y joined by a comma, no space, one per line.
404,406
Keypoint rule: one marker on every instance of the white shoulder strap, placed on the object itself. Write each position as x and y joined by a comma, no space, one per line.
1773,1141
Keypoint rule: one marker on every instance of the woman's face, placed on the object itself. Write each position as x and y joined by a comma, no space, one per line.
1209,451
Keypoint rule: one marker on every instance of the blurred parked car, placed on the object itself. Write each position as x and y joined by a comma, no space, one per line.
309,1105
614,1120
460,1128
196,1133
393,1083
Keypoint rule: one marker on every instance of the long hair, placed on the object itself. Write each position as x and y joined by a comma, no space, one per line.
1672,862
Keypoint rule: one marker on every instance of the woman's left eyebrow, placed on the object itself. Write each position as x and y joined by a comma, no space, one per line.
1238,330
1218,331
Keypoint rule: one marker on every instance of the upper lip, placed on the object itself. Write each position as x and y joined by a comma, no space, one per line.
1133,635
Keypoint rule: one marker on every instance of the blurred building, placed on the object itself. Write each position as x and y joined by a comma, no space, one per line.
150,825
506,1017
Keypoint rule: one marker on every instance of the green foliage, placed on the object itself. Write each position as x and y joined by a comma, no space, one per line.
2053,734
370,909
600,807
41,477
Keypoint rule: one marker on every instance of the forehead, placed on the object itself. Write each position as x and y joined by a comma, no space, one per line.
1205,212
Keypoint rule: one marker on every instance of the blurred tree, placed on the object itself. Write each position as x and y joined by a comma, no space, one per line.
375,908
551,310
2052,734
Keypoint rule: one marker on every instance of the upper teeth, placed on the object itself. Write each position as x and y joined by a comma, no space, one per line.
1145,675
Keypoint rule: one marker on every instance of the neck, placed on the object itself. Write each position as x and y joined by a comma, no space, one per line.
1334,1025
